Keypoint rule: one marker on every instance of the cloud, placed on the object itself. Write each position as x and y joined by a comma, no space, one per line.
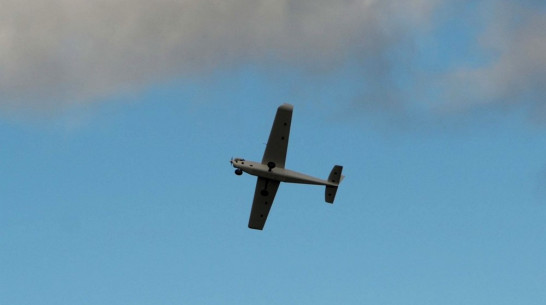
514,43
57,53
61,52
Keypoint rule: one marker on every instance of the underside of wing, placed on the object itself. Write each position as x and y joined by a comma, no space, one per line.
263,199
278,138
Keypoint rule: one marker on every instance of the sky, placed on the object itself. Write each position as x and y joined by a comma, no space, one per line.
118,120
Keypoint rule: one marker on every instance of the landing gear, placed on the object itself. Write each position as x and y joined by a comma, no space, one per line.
265,192
271,165
238,172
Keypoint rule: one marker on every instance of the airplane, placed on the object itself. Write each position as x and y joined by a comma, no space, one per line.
271,172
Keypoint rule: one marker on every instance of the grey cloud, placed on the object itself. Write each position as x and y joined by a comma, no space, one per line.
56,53
514,41
61,52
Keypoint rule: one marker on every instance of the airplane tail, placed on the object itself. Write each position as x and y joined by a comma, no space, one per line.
335,177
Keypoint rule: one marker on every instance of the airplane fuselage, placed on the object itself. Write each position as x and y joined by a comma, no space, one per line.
276,173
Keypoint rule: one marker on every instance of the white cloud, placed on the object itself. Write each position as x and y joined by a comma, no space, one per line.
514,39
57,52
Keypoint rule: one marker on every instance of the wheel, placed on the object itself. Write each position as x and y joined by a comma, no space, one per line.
238,172
271,164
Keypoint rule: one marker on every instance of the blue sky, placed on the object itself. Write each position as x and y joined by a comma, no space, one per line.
120,192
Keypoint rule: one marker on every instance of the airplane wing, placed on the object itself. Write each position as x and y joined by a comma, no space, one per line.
263,199
277,144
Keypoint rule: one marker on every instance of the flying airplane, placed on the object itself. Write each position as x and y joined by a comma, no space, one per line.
271,171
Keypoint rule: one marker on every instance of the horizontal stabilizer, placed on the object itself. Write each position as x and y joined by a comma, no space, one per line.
330,194
335,174
335,177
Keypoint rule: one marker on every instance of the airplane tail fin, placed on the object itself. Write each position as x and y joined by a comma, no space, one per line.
335,177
